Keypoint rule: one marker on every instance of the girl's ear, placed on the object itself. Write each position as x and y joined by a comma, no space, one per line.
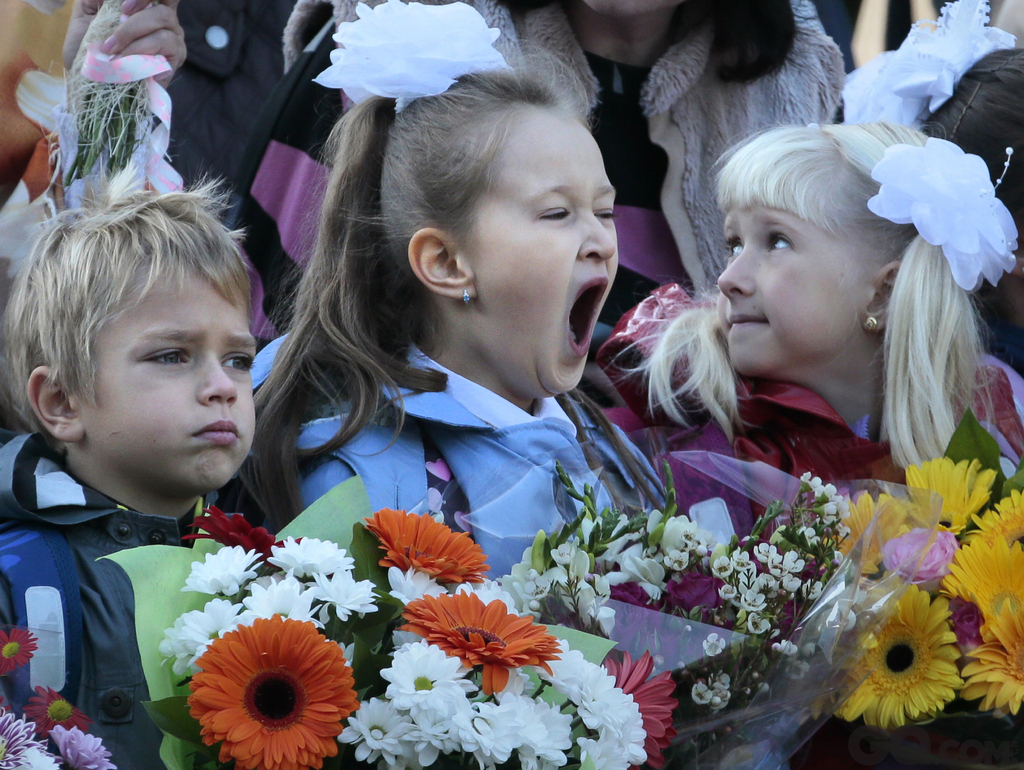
439,264
55,409
882,284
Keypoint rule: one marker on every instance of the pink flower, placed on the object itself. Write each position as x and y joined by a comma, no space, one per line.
902,554
80,751
966,619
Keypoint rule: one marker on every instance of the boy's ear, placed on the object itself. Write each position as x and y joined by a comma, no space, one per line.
881,285
438,263
54,408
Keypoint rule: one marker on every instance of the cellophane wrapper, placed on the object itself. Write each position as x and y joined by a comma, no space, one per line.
771,715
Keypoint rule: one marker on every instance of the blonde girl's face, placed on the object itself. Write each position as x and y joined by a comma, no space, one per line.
543,255
793,301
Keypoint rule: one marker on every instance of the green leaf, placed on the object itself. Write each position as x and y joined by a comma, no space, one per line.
332,516
366,668
172,716
1013,484
971,441
588,764
365,549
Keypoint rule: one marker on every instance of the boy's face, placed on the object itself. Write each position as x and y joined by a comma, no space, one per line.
173,414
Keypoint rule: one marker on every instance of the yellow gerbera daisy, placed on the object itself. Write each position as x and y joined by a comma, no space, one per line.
913,666
862,510
997,671
990,574
965,488
1006,521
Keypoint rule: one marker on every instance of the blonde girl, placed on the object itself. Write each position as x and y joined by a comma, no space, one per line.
836,337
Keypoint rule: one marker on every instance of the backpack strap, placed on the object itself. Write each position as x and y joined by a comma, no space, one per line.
40,569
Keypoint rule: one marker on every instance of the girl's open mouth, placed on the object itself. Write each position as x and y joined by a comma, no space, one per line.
583,315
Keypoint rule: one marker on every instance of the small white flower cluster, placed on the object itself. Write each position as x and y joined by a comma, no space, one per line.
571,578
832,507
431,707
305,580
713,692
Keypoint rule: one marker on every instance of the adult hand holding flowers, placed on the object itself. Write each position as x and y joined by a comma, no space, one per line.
147,27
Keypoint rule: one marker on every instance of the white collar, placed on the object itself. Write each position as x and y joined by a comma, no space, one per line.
487,405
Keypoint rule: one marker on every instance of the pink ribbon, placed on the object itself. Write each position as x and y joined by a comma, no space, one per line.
104,68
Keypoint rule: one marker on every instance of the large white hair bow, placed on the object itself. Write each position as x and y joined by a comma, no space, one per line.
907,85
949,197
407,50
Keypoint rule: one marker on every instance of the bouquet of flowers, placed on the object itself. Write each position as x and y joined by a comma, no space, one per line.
761,634
945,675
374,639
39,728
115,115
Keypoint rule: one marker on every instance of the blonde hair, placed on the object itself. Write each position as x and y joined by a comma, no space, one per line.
93,263
932,342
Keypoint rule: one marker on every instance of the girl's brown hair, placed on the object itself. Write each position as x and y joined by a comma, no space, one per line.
359,306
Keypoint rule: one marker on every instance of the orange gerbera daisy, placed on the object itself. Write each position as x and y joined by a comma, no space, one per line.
481,634
417,541
275,693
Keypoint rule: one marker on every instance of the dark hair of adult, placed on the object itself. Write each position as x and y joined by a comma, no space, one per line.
754,36
985,115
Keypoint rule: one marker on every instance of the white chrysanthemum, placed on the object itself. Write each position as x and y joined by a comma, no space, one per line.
434,733
288,598
309,556
546,736
491,731
223,572
345,594
376,730
37,759
425,678
599,703
488,591
572,674
392,50
411,585
194,631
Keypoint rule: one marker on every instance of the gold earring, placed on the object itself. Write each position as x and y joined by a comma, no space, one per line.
870,323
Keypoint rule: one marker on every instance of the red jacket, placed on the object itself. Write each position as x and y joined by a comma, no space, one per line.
787,426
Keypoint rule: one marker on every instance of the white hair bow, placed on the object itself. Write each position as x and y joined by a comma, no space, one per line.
907,85
949,197
407,50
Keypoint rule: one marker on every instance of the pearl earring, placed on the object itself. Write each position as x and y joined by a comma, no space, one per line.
871,323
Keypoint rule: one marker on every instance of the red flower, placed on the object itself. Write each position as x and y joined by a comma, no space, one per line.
16,649
653,697
232,530
48,708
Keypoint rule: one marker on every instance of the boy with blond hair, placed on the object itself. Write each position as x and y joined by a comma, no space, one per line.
128,351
